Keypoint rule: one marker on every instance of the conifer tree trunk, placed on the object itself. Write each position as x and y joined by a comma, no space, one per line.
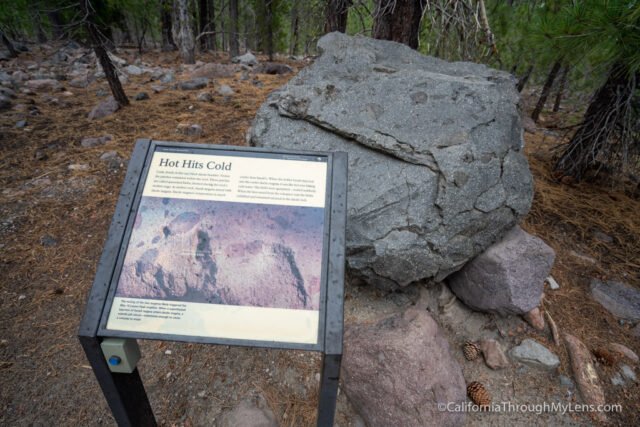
522,81
295,31
546,90
12,50
268,7
57,24
336,15
561,87
165,18
234,45
398,20
203,21
101,54
183,31
212,25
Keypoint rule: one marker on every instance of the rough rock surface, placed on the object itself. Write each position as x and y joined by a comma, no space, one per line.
104,108
507,278
493,354
619,299
532,353
246,59
585,373
397,370
436,169
194,84
248,413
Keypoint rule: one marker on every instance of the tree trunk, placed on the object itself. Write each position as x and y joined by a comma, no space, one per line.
204,21
268,6
398,20
546,90
212,25
183,31
295,21
102,55
12,50
165,18
606,123
522,81
561,87
234,46
336,15
57,24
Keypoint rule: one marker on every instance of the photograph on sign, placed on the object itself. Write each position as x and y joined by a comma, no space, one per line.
227,247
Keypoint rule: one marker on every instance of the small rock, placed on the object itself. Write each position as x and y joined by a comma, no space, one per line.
273,68
20,124
225,90
78,167
619,299
7,92
41,85
21,297
535,354
246,59
617,380
119,61
493,354
528,124
603,237
40,155
167,78
191,130
104,108
48,241
5,102
244,76
134,70
552,283
109,155
202,394
257,83
79,82
167,352
141,96
585,373
194,84
250,412
566,381
535,318
205,97
627,372
101,93
67,93
90,142
157,88
625,351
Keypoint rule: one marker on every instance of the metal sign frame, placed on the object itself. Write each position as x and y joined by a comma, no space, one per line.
125,392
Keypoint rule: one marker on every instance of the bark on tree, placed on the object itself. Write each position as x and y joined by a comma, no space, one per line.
605,128
183,31
546,90
522,81
268,7
336,14
165,18
57,24
398,20
295,27
212,25
204,21
102,55
234,46
12,50
561,87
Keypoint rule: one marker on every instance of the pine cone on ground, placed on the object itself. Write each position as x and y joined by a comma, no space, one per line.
471,350
605,357
479,395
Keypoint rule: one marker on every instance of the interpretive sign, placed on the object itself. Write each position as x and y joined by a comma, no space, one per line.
228,245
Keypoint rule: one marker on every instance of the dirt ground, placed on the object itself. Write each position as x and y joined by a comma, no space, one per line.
54,220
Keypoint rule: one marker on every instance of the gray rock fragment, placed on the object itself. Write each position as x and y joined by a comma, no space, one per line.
619,299
141,96
534,354
246,59
90,142
249,413
104,108
436,171
225,90
194,84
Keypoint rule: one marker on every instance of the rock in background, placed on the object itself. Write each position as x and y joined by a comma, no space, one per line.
436,168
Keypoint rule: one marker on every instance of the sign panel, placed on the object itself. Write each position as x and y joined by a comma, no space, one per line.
227,245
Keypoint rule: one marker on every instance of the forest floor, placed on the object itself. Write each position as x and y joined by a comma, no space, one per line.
54,221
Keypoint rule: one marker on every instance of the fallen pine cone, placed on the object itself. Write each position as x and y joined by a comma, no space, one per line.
479,395
605,357
471,350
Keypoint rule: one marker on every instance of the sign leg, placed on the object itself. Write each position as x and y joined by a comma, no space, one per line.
329,379
125,393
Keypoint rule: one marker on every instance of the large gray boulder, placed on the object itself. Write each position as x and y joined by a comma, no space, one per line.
436,169
400,371
507,278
